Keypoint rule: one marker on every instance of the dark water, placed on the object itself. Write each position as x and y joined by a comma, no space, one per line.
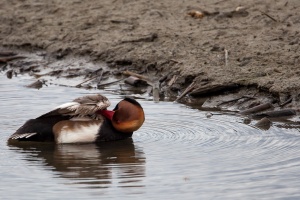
177,154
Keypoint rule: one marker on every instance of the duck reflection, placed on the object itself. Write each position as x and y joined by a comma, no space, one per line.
96,166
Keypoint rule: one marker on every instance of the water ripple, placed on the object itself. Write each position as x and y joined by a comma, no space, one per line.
178,153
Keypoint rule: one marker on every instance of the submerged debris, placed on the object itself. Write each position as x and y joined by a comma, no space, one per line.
7,53
256,109
263,124
277,113
9,73
135,81
37,84
155,92
10,58
213,89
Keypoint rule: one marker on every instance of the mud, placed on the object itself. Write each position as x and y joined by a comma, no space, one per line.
226,49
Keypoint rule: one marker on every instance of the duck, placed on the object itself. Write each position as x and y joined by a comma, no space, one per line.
84,120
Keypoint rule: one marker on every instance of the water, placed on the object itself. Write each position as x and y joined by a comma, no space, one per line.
177,154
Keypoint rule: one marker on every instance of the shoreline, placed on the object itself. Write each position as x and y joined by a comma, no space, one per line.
247,102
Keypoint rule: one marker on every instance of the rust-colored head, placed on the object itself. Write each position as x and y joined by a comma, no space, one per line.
127,116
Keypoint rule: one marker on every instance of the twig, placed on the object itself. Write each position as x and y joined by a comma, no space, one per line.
256,109
149,38
172,81
226,57
213,89
236,99
129,73
286,102
268,16
187,90
105,84
175,61
90,79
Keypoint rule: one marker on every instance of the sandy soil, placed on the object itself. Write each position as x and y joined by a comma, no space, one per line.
235,44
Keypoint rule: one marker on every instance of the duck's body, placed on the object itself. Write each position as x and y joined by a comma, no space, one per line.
85,120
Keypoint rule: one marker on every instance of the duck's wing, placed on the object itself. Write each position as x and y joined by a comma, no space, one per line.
82,106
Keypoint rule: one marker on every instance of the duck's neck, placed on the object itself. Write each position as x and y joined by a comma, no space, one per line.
108,133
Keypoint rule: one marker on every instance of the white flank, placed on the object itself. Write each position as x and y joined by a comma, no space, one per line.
81,134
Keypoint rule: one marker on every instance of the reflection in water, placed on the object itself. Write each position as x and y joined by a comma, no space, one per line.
93,166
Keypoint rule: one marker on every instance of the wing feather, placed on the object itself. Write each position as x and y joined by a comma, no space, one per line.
82,106
21,136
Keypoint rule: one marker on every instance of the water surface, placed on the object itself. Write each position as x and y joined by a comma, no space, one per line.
179,153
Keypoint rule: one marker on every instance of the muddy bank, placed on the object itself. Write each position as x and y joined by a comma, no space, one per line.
74,72
214,47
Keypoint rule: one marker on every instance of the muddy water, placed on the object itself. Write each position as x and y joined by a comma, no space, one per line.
178,154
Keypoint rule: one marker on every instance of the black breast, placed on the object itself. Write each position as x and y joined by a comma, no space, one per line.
108,133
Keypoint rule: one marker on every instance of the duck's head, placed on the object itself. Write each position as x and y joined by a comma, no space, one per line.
127,116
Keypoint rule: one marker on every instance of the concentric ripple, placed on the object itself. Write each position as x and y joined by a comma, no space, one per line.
178,153
174,123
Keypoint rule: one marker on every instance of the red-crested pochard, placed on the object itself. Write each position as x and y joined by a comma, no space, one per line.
84,120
